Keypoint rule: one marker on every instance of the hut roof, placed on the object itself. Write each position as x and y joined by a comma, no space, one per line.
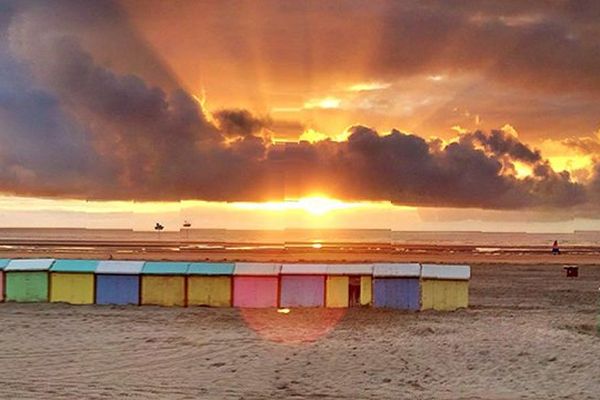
120,267
165,268
260,269
304,269
211,269
3,263
39,264
438,271
350,269
406,270
74,266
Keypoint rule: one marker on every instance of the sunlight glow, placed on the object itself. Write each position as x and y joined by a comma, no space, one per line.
522,170
325,103
312,136
571,163
315,205
368,86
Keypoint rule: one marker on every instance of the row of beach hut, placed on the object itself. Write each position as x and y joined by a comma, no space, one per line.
247,285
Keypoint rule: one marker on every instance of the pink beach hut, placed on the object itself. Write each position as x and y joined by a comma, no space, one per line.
256,285
303,285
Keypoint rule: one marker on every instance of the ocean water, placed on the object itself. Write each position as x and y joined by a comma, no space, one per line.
486,241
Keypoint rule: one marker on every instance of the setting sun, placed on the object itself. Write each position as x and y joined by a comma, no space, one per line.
316,205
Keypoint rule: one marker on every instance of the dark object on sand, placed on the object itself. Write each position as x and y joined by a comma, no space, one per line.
572,271
555,249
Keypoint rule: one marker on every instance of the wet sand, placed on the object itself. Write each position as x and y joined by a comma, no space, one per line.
340,252
530,333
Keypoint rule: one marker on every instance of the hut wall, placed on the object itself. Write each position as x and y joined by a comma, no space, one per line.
302,291
163,290
337,291
73,288
117,289
366,290
399,293
24,286
255,291
214,291
444,295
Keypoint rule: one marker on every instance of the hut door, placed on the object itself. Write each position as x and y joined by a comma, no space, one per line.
354,291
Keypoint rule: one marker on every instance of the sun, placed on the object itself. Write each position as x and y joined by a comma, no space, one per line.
321,205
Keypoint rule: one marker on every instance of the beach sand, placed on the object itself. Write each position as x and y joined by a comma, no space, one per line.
530,333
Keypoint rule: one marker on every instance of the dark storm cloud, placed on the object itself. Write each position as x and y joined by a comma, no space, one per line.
406,169
74,127
239,122
501,143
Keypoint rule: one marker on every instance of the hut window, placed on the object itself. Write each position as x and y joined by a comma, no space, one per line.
354,291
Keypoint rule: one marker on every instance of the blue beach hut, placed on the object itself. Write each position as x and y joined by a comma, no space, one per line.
118,282
397,286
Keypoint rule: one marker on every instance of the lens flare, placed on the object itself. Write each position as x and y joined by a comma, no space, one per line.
297,326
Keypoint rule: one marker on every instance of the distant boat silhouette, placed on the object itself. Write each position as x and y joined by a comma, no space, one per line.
187,224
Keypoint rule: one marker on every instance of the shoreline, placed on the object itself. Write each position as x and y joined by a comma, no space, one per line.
338,253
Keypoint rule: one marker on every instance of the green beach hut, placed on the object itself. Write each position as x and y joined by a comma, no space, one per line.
27,280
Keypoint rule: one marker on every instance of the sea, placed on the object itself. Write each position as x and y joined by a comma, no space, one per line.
483,241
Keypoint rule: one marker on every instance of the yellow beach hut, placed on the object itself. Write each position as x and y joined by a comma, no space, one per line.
445,287
210,284
348,285
73,281
163,283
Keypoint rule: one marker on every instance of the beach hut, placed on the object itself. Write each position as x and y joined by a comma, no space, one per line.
302,285
256,285
396,286
445,287
349,285
27,280
118,282
72,281
3,263
210,284
163,283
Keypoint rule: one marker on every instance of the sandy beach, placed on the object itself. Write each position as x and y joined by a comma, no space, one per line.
529,333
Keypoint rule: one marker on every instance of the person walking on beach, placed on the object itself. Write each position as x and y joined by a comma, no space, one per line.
555,249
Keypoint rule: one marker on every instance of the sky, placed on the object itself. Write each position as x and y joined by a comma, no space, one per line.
436,115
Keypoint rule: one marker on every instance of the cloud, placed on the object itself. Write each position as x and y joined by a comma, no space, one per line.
585,145
73,127
239,122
